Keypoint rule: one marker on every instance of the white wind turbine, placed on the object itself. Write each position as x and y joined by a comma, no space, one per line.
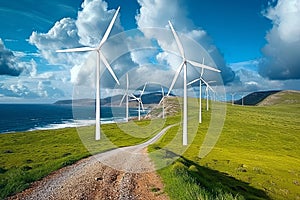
139,100
126,94
100,57
184,66
232,98
200,92
206,92
200,79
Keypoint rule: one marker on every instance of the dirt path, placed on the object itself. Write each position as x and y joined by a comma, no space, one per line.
123,174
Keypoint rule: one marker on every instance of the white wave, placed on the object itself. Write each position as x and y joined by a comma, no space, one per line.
74,124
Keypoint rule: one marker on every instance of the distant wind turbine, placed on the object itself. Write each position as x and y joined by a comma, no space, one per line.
242,100
126,94
184,66
206,91
200,79
232,98
140,102
100,56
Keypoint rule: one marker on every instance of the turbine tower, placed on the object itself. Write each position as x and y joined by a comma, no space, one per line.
139,100
100,57
126,94
232,98
184,66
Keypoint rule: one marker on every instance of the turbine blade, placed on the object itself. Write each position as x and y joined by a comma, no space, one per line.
80,49
142,105
162,91
179,44
196,64
109,28
143,90
162,99
108,67
206,84
175,78
122,99
190,83
127,82
135,98
202,71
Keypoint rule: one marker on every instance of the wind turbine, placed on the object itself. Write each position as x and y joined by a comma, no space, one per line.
100,56
200,93
139,100
232,98
184,66
126,94
206,91
242,100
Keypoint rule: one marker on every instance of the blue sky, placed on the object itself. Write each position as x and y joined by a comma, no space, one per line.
256,43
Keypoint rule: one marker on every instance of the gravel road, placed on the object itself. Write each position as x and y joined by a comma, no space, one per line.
124,174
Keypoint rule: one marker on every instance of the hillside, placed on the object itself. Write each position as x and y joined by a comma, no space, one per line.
256,157
281,98
255,97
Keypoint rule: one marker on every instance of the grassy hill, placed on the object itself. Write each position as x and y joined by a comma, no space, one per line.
282,98
255,97
256,157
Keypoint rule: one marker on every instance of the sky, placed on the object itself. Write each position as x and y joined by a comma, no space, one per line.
255,44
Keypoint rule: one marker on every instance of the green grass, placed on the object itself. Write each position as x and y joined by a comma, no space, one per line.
29,156
256,157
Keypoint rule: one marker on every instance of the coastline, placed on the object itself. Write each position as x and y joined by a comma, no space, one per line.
30,117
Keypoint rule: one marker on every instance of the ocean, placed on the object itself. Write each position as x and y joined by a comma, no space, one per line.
27,117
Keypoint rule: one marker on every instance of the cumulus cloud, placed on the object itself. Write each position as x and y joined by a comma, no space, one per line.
249,80
8,62
157,13
282,53
63,34
85,30
11,63
127,52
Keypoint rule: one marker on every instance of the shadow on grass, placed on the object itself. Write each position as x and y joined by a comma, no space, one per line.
199,182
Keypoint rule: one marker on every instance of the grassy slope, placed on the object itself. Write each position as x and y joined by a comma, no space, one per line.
256,157
257,154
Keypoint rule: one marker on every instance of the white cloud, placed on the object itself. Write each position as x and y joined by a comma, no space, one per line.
9,63
155,13
249,80
282,57
62,35
85,30
93,20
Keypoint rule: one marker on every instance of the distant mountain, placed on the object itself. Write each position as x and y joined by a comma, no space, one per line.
266,98
255,97
282,98
147,98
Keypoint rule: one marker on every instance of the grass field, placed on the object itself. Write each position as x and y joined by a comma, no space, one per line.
257,156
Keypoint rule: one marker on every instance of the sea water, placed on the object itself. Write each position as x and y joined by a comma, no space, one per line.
26,117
